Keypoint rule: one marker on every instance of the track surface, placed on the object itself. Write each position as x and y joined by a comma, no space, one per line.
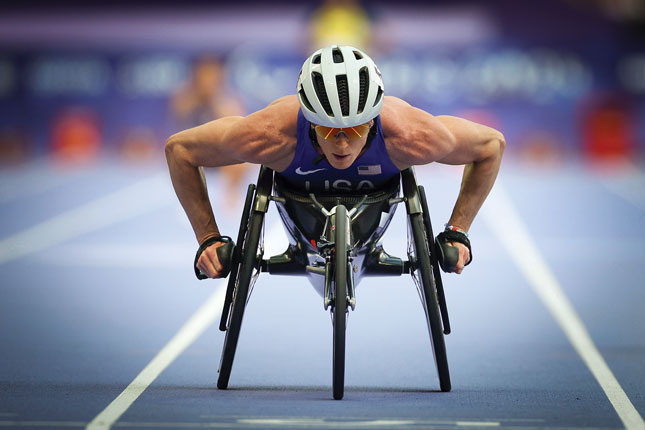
89,298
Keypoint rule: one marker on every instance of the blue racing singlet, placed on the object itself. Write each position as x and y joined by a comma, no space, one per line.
369,172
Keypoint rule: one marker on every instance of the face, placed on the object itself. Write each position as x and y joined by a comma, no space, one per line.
341,152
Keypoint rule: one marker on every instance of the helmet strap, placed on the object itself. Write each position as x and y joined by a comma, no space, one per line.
314,142
370,137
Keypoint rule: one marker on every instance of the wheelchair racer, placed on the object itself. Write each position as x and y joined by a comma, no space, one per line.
339,133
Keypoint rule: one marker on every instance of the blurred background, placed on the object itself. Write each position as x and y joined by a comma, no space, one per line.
96,253
563,79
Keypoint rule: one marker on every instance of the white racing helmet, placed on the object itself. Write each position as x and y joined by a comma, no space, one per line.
340,86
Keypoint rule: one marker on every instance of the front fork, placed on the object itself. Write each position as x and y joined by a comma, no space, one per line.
327,246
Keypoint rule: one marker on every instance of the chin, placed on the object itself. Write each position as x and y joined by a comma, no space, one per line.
341,164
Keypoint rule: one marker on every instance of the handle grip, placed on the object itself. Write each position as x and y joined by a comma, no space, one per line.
447,255
225,255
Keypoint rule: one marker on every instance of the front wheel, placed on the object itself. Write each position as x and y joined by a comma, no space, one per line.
339,309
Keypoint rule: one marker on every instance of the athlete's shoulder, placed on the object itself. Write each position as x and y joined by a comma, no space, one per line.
290,101
391,102
284,109
412,135
396,117
280,117
396,110
273,133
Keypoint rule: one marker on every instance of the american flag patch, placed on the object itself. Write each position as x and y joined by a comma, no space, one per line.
369,170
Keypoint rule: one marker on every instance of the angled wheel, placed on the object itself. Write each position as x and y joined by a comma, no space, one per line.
250,260
237,256
339,308
424,279
247,273
436,271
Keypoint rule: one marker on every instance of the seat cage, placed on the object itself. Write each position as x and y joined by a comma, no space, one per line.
305,224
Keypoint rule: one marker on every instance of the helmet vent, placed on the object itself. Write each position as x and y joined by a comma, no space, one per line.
379,94
337,55
321,93
316,59
364,87
358,55
305,100
343,94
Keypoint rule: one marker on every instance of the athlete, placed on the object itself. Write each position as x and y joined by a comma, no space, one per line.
339,133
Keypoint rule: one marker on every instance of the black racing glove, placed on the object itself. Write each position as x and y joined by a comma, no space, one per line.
448,255
224,253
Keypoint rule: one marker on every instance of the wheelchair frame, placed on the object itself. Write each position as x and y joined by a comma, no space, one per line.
322,258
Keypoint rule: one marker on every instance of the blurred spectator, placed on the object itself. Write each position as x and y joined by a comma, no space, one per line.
206,97
340,22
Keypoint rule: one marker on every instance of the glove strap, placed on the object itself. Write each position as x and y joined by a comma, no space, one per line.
456,236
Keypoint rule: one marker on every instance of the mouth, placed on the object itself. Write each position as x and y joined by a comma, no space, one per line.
340,157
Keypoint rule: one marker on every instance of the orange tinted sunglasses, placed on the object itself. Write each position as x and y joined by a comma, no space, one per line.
352,133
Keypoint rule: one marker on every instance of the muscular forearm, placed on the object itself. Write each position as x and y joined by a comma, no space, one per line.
478,179
190,186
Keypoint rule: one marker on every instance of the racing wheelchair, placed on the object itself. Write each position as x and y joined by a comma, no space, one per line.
334,240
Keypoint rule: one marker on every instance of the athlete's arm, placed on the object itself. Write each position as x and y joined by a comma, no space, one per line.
480,148
420,138
265,137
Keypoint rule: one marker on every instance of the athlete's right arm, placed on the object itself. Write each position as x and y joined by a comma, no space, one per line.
261,138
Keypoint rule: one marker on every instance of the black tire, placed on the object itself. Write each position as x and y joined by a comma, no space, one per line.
423,274
339,309
246,274
237,256
436,270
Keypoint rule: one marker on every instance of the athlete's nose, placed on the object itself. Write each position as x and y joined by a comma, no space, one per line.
342,139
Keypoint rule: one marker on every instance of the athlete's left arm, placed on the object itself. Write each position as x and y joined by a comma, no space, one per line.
480,148
415,137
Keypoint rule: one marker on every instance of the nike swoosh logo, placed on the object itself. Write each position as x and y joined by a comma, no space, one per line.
308,172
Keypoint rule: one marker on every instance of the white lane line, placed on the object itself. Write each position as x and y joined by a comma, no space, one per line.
505,222
191,330
31,186
142,197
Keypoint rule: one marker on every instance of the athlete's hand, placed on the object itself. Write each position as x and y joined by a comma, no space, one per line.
464,257
209,263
